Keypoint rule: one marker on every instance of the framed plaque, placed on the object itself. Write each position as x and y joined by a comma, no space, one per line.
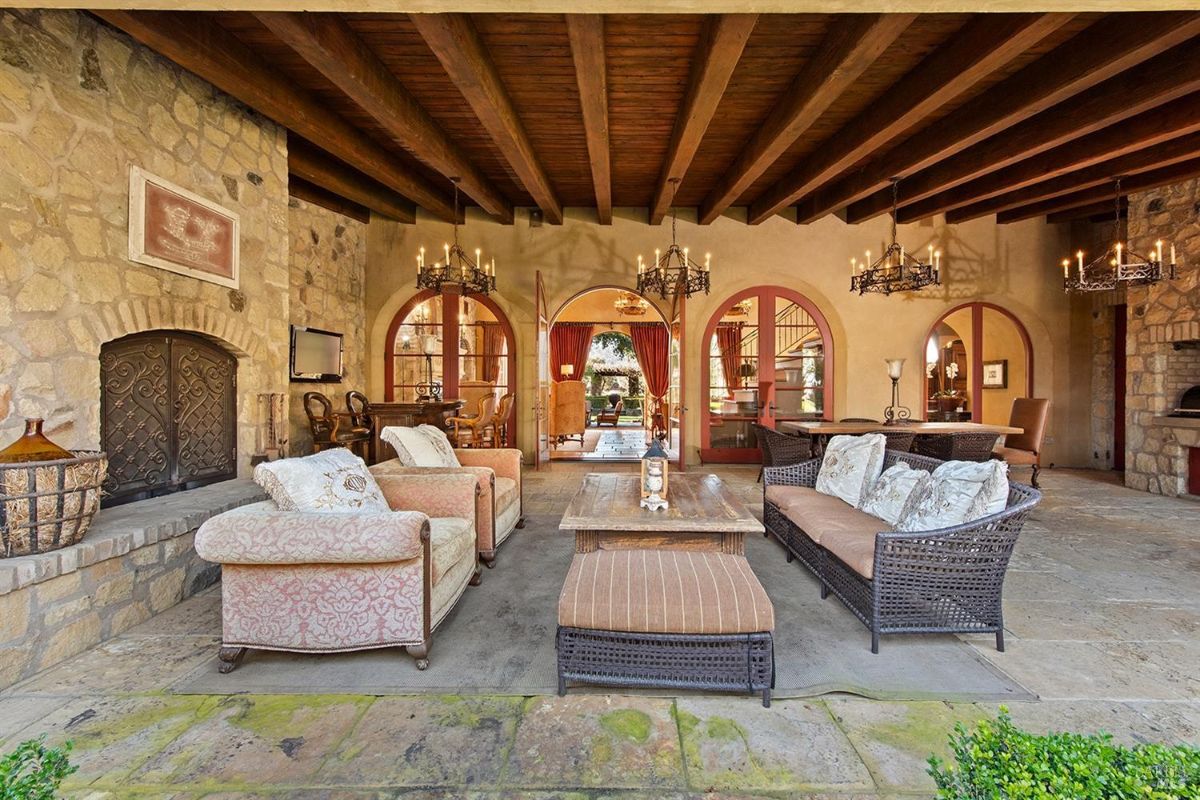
995,374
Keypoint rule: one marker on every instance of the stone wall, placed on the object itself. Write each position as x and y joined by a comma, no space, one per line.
79,105
328,259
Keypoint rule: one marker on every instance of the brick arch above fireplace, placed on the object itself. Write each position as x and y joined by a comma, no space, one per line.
111,321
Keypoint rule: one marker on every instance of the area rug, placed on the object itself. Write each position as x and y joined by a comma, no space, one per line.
500,640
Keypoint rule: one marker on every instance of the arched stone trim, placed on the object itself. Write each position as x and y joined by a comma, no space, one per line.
137,315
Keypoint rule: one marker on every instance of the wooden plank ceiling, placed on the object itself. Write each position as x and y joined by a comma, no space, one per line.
803,115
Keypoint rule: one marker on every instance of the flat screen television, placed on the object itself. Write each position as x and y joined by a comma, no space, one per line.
316,356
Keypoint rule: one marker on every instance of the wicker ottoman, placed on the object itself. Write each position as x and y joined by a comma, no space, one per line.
665,618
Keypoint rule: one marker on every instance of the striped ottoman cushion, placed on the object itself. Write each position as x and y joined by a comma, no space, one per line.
664,591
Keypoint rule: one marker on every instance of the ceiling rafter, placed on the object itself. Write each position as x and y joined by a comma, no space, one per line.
317,167
846,52
330,47
1153,83
984,45
1103,50
199,45
1094,212
457,45
586,32
717,54
320,196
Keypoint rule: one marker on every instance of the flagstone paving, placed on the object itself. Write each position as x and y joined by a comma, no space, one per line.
1103,610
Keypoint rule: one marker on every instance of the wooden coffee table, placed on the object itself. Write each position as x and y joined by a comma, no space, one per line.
703,515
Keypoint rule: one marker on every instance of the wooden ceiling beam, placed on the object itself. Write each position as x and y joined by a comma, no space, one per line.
586,32
334,50
1169,152
850,46
717,54
318,167
457,45
320,196
1165,176
1094,212
984,45
1103,50
199,45
1137,91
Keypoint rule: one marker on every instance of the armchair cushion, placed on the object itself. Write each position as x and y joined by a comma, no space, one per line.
261,534
506,493
851,465
451,538
960,491
331,481
415,448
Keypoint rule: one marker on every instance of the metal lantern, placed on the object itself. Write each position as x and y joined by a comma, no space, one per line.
655,464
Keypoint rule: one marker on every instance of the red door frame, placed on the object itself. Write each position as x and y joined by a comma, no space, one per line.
766,294
451,308
976,355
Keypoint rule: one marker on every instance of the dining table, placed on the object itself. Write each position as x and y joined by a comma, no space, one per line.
820,430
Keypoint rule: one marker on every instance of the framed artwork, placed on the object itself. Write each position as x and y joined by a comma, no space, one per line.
995,374
180,231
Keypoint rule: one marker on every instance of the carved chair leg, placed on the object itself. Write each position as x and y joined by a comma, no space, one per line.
420,653
229,658
477,576
521,522
488,557
1034,481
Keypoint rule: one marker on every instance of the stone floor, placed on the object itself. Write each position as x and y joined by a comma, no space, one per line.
1103,612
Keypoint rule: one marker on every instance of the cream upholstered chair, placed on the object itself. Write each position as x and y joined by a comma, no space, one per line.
568,411
469,430
471,392
306,581
1025,449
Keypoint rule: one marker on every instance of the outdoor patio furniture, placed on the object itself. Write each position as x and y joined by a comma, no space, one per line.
899,439
780,449
611,413
956,446
940,581
714,632
316,582
332,428
1025,449
568,412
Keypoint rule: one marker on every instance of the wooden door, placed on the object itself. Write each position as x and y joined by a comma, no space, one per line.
541,406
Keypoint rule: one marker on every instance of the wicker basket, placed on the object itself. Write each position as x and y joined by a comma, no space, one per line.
45,505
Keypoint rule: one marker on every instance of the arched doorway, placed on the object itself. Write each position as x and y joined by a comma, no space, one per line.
168,414
978,359
610,370
462,343
768,359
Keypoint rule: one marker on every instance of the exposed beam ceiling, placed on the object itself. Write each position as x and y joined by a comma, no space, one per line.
717,55
200,46
336,52
1103,211
586,32
845,54
984,45
1103,50
317,167
318,195
457,45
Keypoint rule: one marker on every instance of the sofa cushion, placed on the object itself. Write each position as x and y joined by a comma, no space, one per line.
891,497
850,465
415,448
506,493
450,538
959,492
332,481
785,496
855,549
441,443
664,591
819,515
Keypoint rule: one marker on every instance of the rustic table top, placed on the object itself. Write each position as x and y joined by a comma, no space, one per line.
608,501
822,428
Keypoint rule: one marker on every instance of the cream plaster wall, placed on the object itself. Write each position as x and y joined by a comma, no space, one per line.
1007,265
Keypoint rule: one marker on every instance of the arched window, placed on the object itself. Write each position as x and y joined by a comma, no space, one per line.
978,359
769,359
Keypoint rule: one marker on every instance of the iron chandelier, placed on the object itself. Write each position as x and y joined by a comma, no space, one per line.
895,270
1118,264
674,271
456,268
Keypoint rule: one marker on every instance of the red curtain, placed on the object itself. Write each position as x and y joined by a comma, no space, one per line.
652,346
493,344
569,344
729,343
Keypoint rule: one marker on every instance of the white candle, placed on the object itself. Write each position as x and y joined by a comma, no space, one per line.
707,262
493,267
1119,254
1079,256
937,259
868,261
1158,249
853,267
446,247
1066,268
1172,254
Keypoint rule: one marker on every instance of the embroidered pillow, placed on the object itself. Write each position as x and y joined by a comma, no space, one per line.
959,492
441,443
892,496
412,446
850,466
334,480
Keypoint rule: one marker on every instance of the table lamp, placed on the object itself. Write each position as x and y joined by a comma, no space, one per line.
895,414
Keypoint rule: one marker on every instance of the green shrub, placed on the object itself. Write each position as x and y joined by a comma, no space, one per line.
1000,761
34,771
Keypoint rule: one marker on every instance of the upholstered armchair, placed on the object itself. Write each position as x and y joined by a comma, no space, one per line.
498,506
1025,449
318,582
568,411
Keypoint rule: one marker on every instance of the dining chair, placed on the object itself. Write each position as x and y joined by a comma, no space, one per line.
358,407
469,431
1025,449
332,428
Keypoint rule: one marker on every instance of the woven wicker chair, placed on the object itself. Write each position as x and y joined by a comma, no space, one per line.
956,446
899,439
942,581
780,449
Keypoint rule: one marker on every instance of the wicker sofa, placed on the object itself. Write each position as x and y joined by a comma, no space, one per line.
940,581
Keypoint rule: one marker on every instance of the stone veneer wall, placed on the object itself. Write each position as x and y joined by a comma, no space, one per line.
1160,316
79,104
328,259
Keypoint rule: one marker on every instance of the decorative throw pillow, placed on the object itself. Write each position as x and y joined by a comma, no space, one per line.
892,496
334,480
441,443
413,447
850,466
959,492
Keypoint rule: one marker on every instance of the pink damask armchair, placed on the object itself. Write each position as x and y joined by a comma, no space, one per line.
331,582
